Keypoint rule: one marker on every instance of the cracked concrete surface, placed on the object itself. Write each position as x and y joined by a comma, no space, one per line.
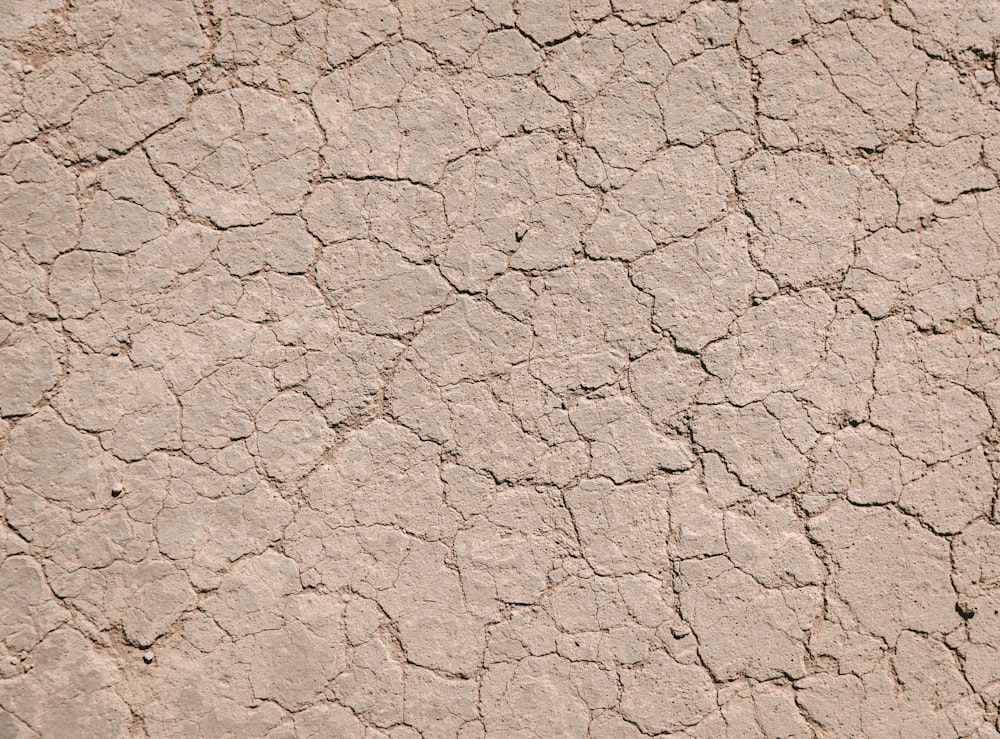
499,368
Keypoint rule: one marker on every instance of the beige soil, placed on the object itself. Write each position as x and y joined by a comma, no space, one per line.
521,369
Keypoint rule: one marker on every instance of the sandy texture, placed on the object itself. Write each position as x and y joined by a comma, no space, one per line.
499,368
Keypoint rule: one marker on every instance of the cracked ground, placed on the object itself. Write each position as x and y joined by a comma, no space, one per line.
451,369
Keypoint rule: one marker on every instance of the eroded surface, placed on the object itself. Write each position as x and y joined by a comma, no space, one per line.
492,368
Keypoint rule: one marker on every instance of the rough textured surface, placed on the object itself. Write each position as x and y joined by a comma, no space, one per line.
507,369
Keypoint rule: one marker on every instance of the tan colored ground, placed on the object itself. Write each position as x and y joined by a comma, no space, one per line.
477,368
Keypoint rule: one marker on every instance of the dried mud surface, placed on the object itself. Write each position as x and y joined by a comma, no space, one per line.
499,368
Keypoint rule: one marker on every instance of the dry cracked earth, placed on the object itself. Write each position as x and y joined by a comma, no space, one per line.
478,368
